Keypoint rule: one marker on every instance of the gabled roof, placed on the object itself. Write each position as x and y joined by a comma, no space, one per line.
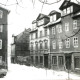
67,3
52,12
40,16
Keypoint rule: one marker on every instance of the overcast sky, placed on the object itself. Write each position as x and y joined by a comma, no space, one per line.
21,17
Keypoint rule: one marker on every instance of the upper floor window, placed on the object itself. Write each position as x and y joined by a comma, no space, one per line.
40,22
54,44
67,43
41,46
1,28
34,25
53,18
46,44
40,33
0,60
67,26
36,46
64,12
0,43
60,44
74,24
45,31
36,35
31,35
53,30
1,14
59,29
75,41
68,10
31,46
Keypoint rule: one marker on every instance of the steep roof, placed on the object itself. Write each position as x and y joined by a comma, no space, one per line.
67,3
40,16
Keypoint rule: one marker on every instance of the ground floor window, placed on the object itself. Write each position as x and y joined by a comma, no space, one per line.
77,62
36,59
0,60
54,60
32,59
60,58
41,59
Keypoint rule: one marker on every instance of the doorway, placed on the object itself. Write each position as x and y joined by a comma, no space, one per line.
46,60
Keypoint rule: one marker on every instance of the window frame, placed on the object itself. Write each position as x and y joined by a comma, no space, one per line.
67,26
75,42
54,60
74,24
1,14
67,43
1,28
54,44
0,43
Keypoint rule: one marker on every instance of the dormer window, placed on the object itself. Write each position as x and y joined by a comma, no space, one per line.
53,18
41,22
34,25
67,11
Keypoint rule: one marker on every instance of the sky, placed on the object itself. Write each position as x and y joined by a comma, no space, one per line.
22,15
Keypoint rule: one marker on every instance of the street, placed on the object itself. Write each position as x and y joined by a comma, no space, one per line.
22,72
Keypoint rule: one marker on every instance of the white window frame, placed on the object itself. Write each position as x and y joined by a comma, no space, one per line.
71,9
68,10
53,18
74,24
75,42
0,60
1,28
40,22
64,12
59,29
54,44
67,26
1,13
67,43
0,43
60,44
53,30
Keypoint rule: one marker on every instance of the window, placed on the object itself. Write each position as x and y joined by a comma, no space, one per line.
74,24
0,44
54,60
77,62
41,59
75,41
54,44
31,46
46,44
34,25
40,33
60,44
71,9
68,10
67,26
31,35
0,60
40,45
1,28
59,29
36,35
53,18
45,32
36,59
60,60
32,60
53,30
36,46
67,43
64,12
40,22
1,14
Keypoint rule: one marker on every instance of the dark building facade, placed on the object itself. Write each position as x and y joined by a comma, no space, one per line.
62,33
20,47
3,37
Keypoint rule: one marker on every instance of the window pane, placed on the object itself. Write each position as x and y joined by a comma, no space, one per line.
1,14
0,60
0,44
54,44
74,24
66,26
53,30
1,28
60,60
67,43
54,60
75,41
